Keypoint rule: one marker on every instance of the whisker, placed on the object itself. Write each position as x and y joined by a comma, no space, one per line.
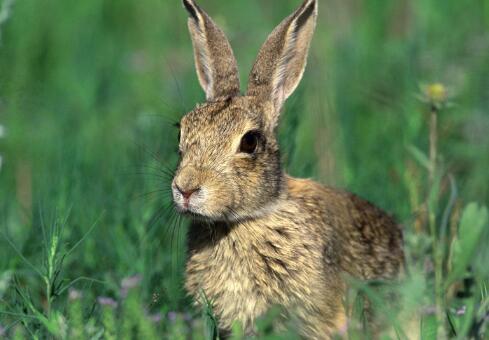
155,218
162,212
162,176
168,120
154,195
161,171
162,167
179,90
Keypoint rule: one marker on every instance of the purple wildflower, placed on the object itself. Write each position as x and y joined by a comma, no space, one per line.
107,301
461,311
3,332
172,316
129,283
187,317
156,318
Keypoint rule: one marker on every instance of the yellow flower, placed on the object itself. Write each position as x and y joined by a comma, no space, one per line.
436,93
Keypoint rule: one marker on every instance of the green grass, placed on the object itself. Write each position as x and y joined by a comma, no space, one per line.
90,91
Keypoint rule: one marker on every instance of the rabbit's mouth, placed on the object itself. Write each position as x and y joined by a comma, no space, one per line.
196,217
201,217
196,207
228,217
188,201
195,203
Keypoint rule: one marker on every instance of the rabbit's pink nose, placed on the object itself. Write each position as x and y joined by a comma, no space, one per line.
187,193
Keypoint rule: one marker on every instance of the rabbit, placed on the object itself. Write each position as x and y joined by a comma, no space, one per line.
259,237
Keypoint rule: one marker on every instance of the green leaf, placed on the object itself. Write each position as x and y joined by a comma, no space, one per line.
429,327
464,246
238,332
465,321
265,324
419,156
211,329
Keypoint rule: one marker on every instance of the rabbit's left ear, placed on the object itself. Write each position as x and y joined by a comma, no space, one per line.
282,59
216,65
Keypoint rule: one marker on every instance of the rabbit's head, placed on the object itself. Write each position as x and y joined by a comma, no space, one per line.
230,161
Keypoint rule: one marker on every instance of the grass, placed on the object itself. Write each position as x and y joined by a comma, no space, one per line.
90,91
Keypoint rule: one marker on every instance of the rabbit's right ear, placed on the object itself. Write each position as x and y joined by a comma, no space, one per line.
282,59
216,65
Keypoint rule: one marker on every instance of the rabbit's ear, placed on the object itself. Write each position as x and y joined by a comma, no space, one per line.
282,59
216,65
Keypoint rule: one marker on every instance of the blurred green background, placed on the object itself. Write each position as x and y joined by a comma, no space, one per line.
90,91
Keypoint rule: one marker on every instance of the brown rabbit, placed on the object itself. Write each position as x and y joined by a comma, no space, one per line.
260,237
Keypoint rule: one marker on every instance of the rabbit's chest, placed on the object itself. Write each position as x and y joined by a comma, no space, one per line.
243,276
233,283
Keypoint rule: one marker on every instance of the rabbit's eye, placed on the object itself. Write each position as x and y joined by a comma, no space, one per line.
249,142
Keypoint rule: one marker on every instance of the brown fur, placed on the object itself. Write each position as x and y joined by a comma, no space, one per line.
259,237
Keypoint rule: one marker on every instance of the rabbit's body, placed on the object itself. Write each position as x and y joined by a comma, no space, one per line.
260,238
295,255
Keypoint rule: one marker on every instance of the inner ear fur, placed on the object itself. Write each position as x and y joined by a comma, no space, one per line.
215,63
282,59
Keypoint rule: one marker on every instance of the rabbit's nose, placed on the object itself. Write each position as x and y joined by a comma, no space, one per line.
187,193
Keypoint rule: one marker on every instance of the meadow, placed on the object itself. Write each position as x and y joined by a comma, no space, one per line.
394,106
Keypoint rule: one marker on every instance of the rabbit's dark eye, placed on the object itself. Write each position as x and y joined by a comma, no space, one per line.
179,138
249,142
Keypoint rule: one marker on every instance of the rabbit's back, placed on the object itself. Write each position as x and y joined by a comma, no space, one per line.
368,243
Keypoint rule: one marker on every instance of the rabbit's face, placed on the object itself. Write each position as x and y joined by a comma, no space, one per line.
230,162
